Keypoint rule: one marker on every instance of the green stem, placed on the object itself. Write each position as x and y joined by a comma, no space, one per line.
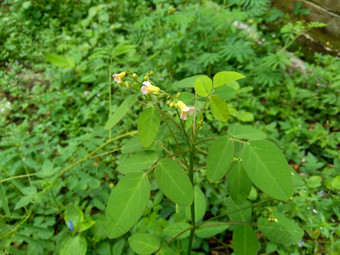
55,201
193,220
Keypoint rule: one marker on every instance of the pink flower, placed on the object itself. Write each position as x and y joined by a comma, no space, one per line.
185,110
148,88
117,77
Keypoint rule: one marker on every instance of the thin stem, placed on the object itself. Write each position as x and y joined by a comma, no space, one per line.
172,155
110,92
16,177
193,220
172,133
174,238
225,214
62,172
206,139
55,201
105,153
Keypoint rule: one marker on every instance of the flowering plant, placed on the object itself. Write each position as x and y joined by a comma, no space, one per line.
169,144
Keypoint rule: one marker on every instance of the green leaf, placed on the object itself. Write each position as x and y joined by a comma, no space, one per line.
74,245
187,82
174,229
3,199
268,169
118,247
47,170
126,203
219,158
219,108
200,205
120,112
60,61
246,132
245,241
144,243
75,214
203,86
210,228
138,162
24,201
239,184
148,126
245,116
238,213
284,231
86,224
186,97
133,145
225,92
174,182
225,77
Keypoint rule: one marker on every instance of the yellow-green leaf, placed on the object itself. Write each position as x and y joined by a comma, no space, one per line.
219,108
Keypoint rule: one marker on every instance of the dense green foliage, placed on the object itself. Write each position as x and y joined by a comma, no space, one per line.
56,59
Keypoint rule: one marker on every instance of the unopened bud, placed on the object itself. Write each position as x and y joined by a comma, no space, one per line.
134,76
178,94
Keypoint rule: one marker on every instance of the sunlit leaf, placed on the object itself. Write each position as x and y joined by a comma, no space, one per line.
284,231
246,132
203,86
120,112
219,158
219,108
126,203
174,182
138,162
267,168
148,126
225,77
144,243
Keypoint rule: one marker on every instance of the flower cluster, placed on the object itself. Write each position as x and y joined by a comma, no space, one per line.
148,88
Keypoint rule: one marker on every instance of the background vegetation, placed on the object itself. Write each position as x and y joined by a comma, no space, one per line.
54,69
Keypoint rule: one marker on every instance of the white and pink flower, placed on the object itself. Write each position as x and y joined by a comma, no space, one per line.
185,110
117,77
148,88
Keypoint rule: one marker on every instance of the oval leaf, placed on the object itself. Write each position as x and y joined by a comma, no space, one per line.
245,241
174,182
219,158
144,243
225,92
148,126
203,86
268,169
210,228
200,205
284,231
246,132
219,108
187,82
126,203
225,77
120,112
174,229
238,213
74,245
239,184
138,162
60,61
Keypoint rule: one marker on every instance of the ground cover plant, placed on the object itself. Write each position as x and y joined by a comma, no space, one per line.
60,169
